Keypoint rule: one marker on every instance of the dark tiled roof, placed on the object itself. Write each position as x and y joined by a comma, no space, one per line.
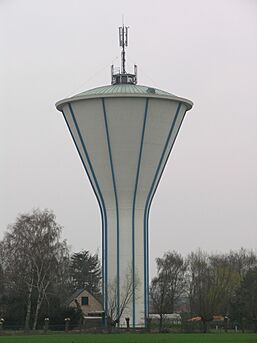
74,296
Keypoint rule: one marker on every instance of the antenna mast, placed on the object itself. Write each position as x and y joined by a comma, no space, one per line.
122,76
123,34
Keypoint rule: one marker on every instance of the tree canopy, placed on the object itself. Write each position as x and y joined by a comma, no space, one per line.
85,271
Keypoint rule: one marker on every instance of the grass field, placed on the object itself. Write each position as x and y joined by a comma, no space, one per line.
133,338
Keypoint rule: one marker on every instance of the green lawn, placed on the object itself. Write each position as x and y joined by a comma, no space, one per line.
133,338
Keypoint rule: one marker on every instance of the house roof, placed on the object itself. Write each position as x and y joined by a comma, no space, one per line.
78,292
74,296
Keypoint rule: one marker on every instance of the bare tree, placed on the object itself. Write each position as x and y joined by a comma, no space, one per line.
35,257
158,294
127,288
245,303
169,284
212,282
242,261
18,265
2,279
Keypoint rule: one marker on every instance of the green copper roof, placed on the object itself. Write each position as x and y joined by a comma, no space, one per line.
123,89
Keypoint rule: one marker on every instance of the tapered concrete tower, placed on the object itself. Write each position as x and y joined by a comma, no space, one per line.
124,134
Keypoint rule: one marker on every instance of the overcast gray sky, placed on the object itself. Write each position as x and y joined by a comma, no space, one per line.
205,50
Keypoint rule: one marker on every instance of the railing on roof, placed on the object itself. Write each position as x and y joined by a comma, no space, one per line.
123,78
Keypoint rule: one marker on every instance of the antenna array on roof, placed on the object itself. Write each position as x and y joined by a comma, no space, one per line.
123,30
123,76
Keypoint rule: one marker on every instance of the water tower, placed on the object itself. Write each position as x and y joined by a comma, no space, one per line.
124,134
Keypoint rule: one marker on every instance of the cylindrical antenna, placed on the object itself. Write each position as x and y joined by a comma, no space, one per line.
135,72
123,35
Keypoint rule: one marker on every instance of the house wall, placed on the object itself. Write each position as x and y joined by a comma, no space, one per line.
93,303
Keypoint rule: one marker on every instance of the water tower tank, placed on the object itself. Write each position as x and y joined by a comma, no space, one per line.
124,134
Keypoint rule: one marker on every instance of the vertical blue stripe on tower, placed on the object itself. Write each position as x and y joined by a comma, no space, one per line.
100,196
133,213
148,204
99,203
117,208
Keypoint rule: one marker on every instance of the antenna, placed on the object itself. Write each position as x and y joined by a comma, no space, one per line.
123,35
121,76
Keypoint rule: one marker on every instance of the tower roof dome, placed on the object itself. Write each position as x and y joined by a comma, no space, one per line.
124,90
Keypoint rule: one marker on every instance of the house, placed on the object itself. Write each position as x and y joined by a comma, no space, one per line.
84,300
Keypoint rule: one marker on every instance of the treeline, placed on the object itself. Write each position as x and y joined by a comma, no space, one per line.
209,284
38,273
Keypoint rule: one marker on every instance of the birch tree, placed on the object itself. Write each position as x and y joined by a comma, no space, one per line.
35,257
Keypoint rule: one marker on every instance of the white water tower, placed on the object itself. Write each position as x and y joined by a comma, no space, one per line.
124,134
